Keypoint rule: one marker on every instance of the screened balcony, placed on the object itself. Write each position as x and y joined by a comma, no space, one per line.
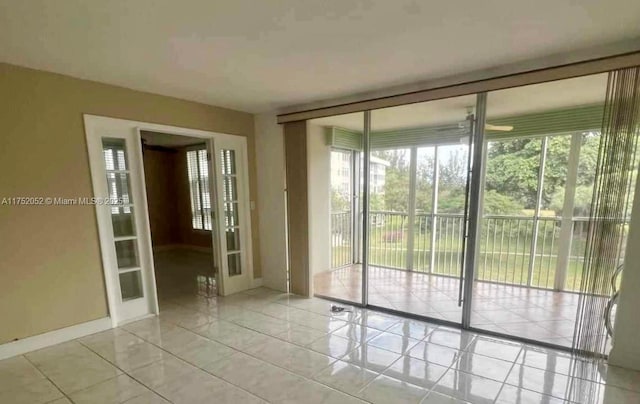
519,271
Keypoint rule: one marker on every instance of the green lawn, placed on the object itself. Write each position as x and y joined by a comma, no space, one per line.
503,257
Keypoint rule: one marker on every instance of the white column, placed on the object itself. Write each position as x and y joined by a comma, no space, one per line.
413,169
536,215
434,209
566,227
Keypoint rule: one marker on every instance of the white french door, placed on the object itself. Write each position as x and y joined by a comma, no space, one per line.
121,207
232,196
115,156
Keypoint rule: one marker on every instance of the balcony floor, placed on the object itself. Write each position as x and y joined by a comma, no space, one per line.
542,315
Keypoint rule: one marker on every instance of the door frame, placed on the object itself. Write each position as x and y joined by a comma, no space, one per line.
94,126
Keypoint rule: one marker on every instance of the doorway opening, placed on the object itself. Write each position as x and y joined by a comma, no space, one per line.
199,203
177,173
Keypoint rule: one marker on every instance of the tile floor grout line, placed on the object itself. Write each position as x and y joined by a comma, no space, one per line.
250,309
339,359
401,356
311,310
161,359
245,353
64,395
124,372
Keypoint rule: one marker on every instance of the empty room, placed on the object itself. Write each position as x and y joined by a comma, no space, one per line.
319,202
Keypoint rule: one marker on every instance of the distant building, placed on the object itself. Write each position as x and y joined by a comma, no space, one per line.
341,173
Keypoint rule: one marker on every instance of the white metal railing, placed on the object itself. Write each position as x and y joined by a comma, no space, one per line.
507,251
341,239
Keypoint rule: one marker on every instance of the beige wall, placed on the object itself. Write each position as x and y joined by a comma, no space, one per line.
50,272
270,160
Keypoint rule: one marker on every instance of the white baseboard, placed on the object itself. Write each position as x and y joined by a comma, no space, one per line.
170,247
256,283
50,338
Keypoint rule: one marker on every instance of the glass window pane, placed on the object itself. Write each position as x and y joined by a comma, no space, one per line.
198,173
511,182
416,264
586,173
452,177
230,189
131,285
231,214
334,148
127,254
228,162
389,207
233,239
517,247
425,171
118,188
115,154
341,213
123,221
235,266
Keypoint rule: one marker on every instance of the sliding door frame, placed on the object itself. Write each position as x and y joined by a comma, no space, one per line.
478,156
481,88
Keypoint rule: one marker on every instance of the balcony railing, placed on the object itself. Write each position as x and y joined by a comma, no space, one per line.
507,253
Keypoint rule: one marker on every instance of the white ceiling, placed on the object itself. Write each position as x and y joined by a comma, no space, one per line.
262,55
586,90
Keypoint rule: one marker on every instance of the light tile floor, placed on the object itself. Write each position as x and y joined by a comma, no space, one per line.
541,315
266,346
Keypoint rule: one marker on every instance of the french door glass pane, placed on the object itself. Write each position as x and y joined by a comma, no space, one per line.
230,189
115,154
531,245
233,239
231,211
235,265
334,172
131,285
119,191
231,214
123,221
228,162
127,254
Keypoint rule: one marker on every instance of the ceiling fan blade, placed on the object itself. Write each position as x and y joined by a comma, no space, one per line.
499,128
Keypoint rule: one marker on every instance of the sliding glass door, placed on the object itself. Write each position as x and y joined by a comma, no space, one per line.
418,174
540,157
335,206
471,210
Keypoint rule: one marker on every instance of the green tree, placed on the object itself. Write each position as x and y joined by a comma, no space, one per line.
396,189
339,201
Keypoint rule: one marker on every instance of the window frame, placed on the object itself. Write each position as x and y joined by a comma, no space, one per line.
199,212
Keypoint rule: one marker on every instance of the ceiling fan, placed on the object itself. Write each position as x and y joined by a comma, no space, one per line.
487,126
499,128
